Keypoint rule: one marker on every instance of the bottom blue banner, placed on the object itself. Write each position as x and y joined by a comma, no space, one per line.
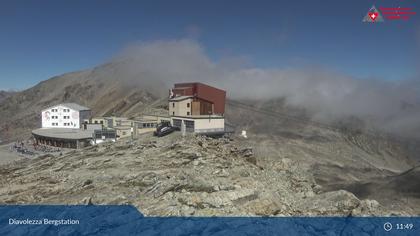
127,220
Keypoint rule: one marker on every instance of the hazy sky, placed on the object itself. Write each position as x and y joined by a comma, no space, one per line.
41,39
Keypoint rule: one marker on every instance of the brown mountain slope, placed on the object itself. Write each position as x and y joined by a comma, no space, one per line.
5,94
96,88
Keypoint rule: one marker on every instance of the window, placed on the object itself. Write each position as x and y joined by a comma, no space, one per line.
96,122
173,104
102,122
173,113
66,117
66,110
188,104
188,113
54,110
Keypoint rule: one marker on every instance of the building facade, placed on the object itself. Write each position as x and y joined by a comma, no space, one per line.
66,115
198,98
125,127
200,124
197,108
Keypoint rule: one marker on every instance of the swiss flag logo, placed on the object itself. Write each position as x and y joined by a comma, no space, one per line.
373,15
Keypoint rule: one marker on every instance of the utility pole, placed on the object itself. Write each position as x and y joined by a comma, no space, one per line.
183,128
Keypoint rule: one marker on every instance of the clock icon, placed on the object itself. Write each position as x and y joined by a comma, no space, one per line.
387,226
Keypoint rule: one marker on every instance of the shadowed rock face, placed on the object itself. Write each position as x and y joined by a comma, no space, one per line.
173,175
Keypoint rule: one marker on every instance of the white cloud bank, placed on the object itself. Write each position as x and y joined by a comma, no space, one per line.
393,106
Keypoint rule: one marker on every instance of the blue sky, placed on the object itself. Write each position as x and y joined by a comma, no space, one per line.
41,39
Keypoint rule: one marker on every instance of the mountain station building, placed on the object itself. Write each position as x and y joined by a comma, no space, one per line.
198,107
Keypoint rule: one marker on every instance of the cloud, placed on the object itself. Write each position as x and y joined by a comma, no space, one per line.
391,105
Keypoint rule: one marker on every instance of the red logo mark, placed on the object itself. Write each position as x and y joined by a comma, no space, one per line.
373,15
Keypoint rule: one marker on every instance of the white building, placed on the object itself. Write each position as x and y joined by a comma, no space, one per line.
66,115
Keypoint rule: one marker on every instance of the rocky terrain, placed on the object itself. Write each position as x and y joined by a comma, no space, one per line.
175,175
5,94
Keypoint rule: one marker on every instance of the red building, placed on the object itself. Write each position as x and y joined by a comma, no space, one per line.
206,100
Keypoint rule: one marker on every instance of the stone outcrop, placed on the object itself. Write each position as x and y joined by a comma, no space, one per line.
175,175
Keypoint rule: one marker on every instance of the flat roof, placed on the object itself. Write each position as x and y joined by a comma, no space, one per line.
146,120
122,127
63,133
73,106
180,98
200,117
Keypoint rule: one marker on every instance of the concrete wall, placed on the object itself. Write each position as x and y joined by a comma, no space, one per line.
204,125
94,126
209,125
122,133
62,117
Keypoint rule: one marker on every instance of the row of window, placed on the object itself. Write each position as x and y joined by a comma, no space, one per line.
64,110
56,117
147,125
173,104
56,124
